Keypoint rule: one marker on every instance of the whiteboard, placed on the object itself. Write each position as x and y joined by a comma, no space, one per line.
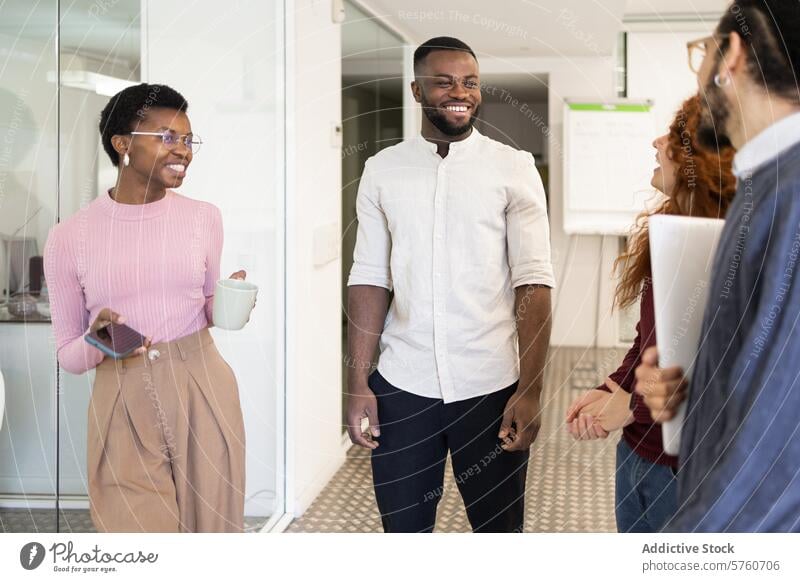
608,163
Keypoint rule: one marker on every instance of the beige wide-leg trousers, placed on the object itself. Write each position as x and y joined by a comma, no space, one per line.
166,450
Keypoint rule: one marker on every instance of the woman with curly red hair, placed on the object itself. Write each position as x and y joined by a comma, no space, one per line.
696,182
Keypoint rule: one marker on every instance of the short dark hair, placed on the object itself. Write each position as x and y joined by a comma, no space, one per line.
131,104
440,43
770,31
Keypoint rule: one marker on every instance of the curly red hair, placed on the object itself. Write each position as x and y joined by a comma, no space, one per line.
704,187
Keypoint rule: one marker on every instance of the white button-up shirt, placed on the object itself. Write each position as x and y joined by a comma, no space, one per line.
453,237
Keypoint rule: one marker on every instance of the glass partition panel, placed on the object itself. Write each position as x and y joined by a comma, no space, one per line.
229,66
372,119
100,54
28,208
59,64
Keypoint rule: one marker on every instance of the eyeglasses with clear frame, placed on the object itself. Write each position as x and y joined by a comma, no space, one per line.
696,51
170,139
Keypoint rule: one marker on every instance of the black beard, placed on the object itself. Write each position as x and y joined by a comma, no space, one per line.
439,121
714,116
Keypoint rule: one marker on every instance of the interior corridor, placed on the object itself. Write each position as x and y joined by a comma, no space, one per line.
570,483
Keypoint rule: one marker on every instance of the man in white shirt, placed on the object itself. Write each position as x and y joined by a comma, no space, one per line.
456,225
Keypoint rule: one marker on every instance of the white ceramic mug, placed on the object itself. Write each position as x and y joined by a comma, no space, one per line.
233,301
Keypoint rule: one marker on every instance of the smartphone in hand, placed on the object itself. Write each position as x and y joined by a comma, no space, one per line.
116,340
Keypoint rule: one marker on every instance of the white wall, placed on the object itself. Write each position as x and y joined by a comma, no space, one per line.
658,69
576,269
313,261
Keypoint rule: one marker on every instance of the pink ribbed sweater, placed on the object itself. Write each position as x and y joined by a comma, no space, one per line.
156,264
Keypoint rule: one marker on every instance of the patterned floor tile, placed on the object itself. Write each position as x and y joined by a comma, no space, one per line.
570,484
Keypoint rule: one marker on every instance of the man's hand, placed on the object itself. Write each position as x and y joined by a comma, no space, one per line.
367,306
361,404
521,420
663,389
522,417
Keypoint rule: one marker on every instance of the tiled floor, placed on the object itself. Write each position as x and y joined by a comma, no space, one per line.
72,521
570,484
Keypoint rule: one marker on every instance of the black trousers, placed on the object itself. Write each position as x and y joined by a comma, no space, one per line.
408,466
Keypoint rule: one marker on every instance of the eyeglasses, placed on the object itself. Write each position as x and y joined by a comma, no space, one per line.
170,139
697,50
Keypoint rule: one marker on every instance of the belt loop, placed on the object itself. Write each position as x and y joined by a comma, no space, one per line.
122,367
181,350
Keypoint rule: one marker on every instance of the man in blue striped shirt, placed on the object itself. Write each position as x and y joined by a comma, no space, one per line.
740,445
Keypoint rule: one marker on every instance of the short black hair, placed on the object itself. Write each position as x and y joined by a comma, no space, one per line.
440,43
770,31
130,105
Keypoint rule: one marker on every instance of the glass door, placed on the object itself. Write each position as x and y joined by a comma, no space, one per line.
28,208
372,119
99,55
60,62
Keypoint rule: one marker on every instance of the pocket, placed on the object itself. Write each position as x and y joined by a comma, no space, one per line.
374,379
102,402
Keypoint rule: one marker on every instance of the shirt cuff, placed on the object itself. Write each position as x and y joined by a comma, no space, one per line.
540,273
365,275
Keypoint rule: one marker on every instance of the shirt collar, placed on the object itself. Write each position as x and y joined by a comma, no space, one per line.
766,146
463,144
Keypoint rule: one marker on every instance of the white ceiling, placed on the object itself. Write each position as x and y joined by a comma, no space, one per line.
500,27
534,28
674,8
506,28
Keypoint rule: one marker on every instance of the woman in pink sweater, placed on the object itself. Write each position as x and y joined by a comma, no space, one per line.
166,436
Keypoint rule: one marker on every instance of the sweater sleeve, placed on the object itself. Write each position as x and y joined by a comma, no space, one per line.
641,413
68,306
624,375
213,260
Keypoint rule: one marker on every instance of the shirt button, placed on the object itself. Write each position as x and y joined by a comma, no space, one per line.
153,354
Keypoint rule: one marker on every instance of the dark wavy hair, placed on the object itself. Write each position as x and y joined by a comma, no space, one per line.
704,187
770,31
130,105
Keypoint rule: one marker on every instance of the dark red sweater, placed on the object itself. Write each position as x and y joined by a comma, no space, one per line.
642,435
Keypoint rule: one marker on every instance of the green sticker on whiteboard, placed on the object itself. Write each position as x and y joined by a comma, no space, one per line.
627,107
